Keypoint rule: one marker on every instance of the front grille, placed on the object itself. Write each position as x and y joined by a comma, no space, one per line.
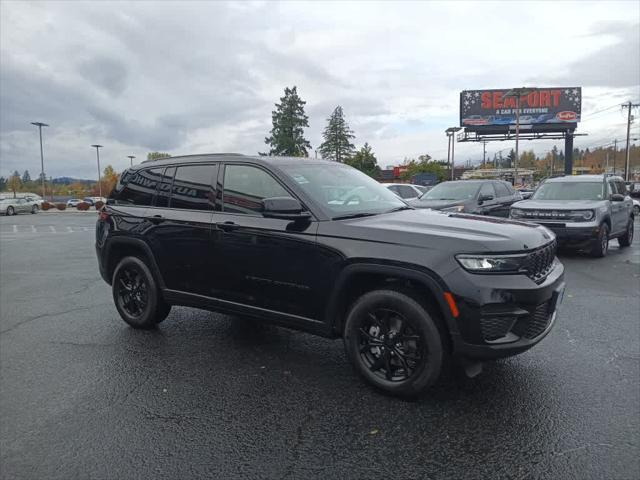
538,263
534,324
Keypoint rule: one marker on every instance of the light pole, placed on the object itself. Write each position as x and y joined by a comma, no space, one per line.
40,125
131,157
517,93
98,147
451,131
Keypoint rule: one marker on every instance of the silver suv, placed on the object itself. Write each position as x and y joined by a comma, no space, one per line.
584,211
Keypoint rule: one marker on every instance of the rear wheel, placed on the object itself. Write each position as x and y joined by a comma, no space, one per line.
34,209
394,343
601,244
10,211
136,294
627,238
636,210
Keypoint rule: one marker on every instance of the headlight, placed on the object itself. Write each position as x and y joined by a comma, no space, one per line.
516,213
491,263
581,215
457,208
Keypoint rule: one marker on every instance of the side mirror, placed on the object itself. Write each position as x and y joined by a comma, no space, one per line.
617,197
484,198
284,208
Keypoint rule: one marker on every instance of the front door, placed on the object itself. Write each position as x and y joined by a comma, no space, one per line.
268,263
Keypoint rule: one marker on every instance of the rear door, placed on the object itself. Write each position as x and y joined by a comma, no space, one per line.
619,210
179,228
505,197
488,207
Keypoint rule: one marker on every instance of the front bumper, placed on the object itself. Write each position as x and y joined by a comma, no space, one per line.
578,233
503,315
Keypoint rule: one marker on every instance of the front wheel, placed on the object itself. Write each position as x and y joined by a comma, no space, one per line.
10,211
636,210
627,238
34,209
601,244
136,294
394,343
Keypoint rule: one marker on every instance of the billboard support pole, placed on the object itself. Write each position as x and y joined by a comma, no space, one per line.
568,153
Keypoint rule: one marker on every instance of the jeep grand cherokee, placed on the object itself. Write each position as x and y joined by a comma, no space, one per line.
321,247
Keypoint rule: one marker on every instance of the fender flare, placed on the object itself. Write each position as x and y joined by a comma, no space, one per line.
427,278
139,244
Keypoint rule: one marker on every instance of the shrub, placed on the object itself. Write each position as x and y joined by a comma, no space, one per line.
99,205
61,206
83,206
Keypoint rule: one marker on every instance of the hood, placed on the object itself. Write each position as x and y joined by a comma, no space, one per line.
451,232
435,204
557,204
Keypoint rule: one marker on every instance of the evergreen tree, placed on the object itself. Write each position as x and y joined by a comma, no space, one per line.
26,177
510,158
365,161
337,135
3,184
289,119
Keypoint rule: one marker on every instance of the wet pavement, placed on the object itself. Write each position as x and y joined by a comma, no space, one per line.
209,396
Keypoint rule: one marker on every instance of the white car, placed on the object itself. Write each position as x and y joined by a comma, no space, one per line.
13,206
406,191
73,202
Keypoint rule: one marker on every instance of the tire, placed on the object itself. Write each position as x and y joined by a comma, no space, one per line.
34,209
394,343
136,294
627,238
636,210
10,211
601,245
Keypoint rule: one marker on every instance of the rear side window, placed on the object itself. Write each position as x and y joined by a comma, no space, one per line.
622,188
406,191
245,187
501,189
193,187
164,189
487,189
136,187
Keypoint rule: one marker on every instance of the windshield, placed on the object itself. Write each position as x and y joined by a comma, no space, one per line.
569,191
452,191
343,189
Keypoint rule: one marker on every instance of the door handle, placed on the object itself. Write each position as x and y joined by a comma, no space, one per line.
156,219
227,226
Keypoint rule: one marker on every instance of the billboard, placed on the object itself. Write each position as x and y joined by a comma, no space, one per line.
543,109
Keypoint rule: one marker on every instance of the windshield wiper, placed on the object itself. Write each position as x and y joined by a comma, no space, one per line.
354,215
398,209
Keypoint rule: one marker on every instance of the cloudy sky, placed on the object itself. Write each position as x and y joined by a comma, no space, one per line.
194,77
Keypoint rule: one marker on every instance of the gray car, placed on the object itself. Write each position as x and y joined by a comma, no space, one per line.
13,206
482,197
584,211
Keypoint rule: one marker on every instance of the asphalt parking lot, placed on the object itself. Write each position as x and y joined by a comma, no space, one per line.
209,396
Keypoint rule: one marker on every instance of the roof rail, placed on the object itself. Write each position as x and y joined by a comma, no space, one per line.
176,157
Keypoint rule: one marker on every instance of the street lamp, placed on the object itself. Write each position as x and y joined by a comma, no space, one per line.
131,157
40,125
517,93
98,147
450,133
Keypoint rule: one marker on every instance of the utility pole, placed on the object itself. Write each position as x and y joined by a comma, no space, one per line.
42,177
98,147
629,120
517,93
606,168
484,153
451,131
615,151
131,157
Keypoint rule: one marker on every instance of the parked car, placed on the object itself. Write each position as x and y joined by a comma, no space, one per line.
636,207
482,197
525,193
257,236
634,189
13,206
405,191
73,202
584,211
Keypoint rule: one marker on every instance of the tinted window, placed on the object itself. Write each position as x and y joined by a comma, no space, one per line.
245,187
502,190
407,192
622,188
193,187
164,190
136,187
487,189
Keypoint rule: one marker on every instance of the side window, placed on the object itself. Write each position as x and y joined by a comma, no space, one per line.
407,192
611,188
164,189
622,188
487,189
245,187
193,187
136,187
501,189
394,189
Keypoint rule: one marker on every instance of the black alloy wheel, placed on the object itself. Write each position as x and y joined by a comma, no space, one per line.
136,294
389,346
627,238
601,244
394,342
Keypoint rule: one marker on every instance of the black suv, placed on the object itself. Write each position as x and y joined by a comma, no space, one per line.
321,247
